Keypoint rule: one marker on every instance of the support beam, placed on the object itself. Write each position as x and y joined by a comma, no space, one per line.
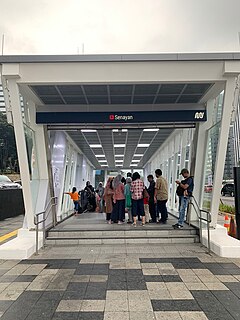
201,145
22,150
222,147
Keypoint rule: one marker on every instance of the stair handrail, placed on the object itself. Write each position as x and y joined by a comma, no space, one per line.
45,215
208,220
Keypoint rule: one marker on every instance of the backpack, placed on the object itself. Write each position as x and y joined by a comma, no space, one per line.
180,190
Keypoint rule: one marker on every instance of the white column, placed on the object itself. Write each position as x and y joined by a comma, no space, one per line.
201,149
222,147
22,150
40,142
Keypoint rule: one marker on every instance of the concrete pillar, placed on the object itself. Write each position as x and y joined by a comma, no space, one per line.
22,150
222,147
201,149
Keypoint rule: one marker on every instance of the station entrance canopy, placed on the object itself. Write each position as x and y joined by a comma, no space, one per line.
137,92
158,103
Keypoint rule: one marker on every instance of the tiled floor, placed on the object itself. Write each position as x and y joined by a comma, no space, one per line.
10,224
176,282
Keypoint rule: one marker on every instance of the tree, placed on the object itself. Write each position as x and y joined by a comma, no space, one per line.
8,150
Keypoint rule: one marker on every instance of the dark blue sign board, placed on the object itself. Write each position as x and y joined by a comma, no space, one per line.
121,117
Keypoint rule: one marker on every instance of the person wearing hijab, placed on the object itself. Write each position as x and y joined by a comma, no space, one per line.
128,199
108,197
118,213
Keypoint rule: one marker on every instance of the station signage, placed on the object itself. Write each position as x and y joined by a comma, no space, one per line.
121,117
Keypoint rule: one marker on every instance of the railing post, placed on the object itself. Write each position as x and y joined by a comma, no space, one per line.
54,212
200,226
37,236
208,231
44,236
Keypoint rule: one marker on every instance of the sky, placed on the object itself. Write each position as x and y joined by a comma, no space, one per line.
119,26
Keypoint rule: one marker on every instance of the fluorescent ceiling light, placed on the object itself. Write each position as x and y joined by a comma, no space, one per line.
88,130
151,130
119,155
95,146
143,145
135,160
133,165
138,155
104,165
118,160
116,130
119,165
100,155
102,160
119,145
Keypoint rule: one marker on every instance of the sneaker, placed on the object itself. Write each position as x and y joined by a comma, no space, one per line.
109,222
177,226
134,225
120,222
143,224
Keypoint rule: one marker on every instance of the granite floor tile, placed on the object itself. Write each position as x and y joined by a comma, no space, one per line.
167,315
22,306
91,316
69,306
93,305
65,316
116,316
77,286
171,278
227,278
196,315
116,305
142,315
116,295
175,305
153,278
117,286
25,278
127,282
229,301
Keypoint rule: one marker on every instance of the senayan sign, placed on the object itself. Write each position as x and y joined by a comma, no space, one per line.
121,117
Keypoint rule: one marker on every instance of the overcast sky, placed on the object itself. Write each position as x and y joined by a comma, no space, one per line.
119,26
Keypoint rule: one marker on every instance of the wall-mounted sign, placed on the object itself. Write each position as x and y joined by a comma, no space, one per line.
121,117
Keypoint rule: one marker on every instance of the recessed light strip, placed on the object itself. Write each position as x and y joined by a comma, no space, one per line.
119,145
95,146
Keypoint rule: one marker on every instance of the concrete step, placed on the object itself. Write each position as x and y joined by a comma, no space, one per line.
139,232
138,235
137,240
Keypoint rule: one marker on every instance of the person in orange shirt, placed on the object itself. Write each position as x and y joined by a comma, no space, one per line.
75,198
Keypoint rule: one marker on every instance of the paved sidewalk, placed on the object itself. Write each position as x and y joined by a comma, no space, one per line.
112,282
9,227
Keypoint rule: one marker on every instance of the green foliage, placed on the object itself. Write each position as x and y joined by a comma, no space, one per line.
206,204
8,151
226,208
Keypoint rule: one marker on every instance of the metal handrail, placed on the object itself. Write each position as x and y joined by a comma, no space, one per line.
45,214
208,220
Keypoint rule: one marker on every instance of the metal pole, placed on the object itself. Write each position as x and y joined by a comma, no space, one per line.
44,230
37,237
208,231
200,226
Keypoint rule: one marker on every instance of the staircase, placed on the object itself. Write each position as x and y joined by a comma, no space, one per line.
122,234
